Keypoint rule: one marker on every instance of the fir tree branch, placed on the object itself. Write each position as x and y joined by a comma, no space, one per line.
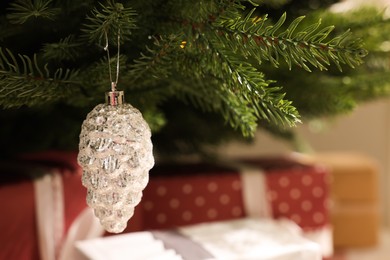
366,23
222,83
25,82
191,79
23,10
65,49
256,37
111,19
156,61
241,95
247,80
372,85
208,94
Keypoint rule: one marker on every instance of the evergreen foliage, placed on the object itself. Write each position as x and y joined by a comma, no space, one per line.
222,57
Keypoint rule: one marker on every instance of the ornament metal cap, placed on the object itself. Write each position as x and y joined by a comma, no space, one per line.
115,98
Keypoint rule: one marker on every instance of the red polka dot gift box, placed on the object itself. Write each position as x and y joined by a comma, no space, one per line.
298,192
180,195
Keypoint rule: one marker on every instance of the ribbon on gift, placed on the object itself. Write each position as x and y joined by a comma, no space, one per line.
53,242
49,214
258,204
254,191
85,226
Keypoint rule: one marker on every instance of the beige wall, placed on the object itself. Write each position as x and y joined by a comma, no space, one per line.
366,130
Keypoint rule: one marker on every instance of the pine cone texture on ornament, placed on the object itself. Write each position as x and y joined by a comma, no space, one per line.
116,154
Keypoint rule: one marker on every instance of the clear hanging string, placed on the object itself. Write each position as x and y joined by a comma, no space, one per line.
106,48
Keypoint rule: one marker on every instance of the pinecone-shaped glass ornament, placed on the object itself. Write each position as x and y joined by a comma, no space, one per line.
115,152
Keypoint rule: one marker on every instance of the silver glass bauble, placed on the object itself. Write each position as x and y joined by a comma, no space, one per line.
115,152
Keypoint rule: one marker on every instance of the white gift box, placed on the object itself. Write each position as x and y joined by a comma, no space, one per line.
137,245
244,239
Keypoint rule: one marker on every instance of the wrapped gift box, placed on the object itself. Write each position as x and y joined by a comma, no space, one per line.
177,195
228,240
355,225
18,237
354,191
28,224
193,193
187,194
354,176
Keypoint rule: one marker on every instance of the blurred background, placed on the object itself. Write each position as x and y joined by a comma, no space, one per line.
345,128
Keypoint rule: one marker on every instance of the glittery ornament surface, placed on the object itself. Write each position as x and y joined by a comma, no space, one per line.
115,152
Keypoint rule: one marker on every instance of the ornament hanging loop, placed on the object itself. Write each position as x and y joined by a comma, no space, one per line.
113,83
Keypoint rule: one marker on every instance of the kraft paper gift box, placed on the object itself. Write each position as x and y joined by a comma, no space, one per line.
355,225
354,190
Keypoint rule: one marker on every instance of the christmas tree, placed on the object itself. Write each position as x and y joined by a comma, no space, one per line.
199,71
